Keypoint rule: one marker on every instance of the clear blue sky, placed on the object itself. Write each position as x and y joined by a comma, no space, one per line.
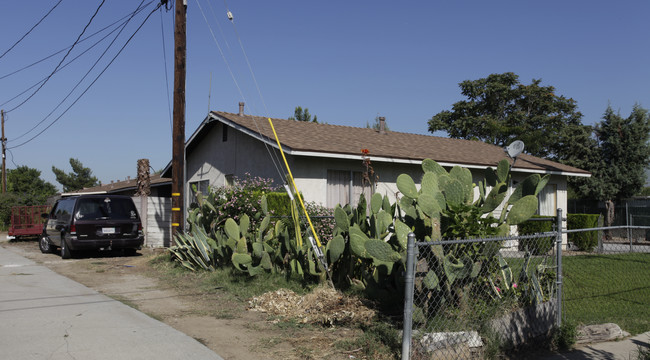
347,61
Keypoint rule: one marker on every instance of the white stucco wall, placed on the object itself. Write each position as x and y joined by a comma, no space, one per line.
212,159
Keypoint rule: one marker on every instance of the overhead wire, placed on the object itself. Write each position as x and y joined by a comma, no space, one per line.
169,103
274,154
123,26
315,244
65,65
274,157
63,59
80,41
30,30
93,82
12,158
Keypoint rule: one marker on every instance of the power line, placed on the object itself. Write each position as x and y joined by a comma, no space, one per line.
30,30
12,158
169,102
274,157
80,41
62,67
62,60
94,81
85,75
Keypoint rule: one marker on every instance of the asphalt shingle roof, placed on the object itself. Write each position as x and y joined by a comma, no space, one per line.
337,139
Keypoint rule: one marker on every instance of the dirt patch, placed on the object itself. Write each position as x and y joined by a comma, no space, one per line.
212,317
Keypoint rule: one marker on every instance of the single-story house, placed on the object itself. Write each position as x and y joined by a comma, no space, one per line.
160,187
326,160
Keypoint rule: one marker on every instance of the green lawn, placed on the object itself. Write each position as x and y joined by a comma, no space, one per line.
608,288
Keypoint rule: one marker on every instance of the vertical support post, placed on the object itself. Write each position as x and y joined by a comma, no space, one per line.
600,234
409,283
178,136
558,276
4,155
628,220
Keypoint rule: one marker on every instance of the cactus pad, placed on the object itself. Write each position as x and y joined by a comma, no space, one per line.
376,202
431,281
429,165
522,210
232,229
406,186
381,250
335,248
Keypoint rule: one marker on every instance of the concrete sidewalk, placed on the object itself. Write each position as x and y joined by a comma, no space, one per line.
627,349
44,315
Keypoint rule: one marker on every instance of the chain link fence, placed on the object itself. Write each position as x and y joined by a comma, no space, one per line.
482,298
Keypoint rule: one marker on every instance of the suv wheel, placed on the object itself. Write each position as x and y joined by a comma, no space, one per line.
65,251
45,245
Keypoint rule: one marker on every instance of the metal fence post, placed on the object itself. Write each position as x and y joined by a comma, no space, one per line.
629,223
559,267
409,282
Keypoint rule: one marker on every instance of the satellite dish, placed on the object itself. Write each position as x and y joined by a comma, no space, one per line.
514,149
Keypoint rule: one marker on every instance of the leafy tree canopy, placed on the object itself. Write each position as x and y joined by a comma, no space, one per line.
80,177
28,186
303,115
499,110
617,157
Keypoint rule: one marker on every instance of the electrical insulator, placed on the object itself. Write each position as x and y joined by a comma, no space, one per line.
229,15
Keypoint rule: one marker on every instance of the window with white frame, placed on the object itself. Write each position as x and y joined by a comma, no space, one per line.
200,186
345,187
547,200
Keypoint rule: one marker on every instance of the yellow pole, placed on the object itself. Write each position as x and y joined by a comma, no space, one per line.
293,182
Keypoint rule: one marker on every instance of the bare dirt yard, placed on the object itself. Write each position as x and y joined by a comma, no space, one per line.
217,319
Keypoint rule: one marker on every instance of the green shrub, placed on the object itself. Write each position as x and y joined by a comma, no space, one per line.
537,246
278,203
565,336
243,198
584,240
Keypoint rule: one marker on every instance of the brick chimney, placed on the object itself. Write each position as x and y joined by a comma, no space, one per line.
241,108
382,125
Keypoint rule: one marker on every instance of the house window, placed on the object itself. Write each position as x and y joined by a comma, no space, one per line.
548,201
229,180
198,187
224,133
345,187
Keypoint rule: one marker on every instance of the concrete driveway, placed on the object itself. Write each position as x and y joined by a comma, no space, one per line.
44,315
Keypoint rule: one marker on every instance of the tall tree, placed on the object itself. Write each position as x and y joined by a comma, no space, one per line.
24,187
80,177
499,109
303,115
28,186
618,160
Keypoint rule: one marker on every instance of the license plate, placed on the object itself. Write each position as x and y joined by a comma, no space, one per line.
108,230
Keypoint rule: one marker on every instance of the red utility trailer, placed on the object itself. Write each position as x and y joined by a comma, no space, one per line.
27,221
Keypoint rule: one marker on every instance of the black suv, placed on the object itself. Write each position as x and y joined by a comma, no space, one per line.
101,222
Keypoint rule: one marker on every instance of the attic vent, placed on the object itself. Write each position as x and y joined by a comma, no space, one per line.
241,108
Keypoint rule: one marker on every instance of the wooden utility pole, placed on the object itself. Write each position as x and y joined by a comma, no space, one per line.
4,154
178,136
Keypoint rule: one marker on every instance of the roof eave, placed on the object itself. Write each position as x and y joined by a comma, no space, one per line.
419,161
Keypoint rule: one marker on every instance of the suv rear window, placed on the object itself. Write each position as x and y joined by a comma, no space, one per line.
106,208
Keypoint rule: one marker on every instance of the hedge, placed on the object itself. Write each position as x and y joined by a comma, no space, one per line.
584,240
538,246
